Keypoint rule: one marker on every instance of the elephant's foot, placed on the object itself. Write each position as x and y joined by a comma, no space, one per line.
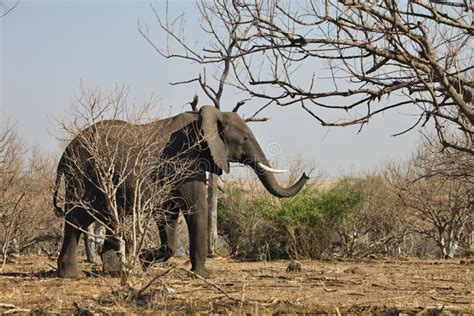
203,272
150,256
69,270
111,263
146,259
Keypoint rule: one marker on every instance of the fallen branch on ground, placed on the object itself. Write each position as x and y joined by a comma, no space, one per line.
12,309
146,286
209,283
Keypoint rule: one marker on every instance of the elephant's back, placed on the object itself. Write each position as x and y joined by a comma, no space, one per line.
78,146
126,135
105,125
101,127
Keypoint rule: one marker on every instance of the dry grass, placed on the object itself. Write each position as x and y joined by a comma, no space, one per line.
322,286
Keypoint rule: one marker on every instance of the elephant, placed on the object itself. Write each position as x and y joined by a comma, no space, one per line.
211,138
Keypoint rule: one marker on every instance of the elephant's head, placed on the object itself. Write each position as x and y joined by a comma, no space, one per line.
230,140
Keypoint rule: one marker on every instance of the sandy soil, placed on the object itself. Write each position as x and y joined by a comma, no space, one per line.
382,286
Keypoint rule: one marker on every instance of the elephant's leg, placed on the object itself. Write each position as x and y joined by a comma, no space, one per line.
167,226
77,219
111,251
194,193
110,255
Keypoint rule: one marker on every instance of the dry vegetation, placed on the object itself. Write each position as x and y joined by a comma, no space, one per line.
388,286
368,233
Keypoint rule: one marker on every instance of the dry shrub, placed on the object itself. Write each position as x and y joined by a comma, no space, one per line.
436,186
114,168
26,218
376,225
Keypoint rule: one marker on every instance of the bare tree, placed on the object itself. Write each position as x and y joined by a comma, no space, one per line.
411,54
213,86
10,169
25,178
110,158
359,58
440,193
433,161
377,226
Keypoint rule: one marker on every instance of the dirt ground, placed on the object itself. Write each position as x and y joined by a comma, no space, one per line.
382,286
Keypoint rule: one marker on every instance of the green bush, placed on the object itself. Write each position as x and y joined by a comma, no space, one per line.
242,225
258,226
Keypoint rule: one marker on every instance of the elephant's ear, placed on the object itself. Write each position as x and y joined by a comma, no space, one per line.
211,120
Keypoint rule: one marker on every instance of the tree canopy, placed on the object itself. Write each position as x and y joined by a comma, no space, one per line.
358,58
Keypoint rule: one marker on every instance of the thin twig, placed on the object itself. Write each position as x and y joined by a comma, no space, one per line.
209,283
156,277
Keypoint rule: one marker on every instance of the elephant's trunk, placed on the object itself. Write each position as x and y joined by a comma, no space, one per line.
269,182
266,176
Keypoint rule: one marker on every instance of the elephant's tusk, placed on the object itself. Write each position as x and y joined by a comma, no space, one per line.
267,168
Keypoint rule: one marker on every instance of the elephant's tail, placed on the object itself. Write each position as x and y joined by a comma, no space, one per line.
58,210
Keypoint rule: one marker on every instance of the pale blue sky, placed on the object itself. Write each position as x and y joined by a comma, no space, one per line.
49,47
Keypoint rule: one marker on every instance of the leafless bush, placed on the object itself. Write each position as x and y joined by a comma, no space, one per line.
376,226
115,171
437,186
25,216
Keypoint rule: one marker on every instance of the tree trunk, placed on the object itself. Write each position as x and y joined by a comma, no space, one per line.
93,241
452,247
212,194
124,267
